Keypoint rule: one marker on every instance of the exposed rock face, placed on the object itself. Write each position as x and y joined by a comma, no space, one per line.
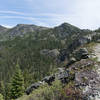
71,61
89,81
65,53
52,53
81,54
85,39
49,79
22,29
66,29
33,87
65,75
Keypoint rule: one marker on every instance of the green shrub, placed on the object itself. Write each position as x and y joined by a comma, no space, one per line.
1,97
46,92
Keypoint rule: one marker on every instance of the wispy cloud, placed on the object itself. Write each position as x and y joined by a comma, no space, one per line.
32,19
82,13
12,12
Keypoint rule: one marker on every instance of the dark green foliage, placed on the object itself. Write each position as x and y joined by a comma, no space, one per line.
7,91
17,84
34,65
46,92
2,88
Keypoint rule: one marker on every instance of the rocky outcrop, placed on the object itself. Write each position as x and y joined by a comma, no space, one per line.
65,75
49,79
52,53
65,53
81,54
89,81
33,87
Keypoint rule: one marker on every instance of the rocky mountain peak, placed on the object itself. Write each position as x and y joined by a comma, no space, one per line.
21,29
67,25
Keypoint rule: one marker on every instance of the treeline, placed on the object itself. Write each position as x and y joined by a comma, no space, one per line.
26,51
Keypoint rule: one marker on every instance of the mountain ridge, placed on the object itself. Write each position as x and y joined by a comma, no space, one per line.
40,51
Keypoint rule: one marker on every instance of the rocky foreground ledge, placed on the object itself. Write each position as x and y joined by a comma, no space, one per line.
84,72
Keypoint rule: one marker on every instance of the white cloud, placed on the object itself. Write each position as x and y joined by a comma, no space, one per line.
12,12
34,20
82,13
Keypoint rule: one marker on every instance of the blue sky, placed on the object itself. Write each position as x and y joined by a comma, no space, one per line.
82,13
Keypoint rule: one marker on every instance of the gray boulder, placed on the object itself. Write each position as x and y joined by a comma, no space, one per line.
81,54
65,76
33,87
52,53
49,79
71,61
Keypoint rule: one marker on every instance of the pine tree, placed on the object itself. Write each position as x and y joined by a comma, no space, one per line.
17,84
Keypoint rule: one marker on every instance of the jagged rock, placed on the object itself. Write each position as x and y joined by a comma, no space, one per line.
81,54
84,40
61,70
65,76
89,82
71,61
82,64
33,87
65,53
49,79
52,53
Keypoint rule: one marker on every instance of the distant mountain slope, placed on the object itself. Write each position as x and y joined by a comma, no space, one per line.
62,31
22,29
26,42
3,30
66,29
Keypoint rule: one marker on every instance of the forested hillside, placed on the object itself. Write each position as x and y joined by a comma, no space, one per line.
38,51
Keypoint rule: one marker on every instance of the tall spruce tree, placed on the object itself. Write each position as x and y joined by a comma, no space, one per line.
17,84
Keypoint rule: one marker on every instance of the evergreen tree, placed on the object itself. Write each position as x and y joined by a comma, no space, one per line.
17,84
